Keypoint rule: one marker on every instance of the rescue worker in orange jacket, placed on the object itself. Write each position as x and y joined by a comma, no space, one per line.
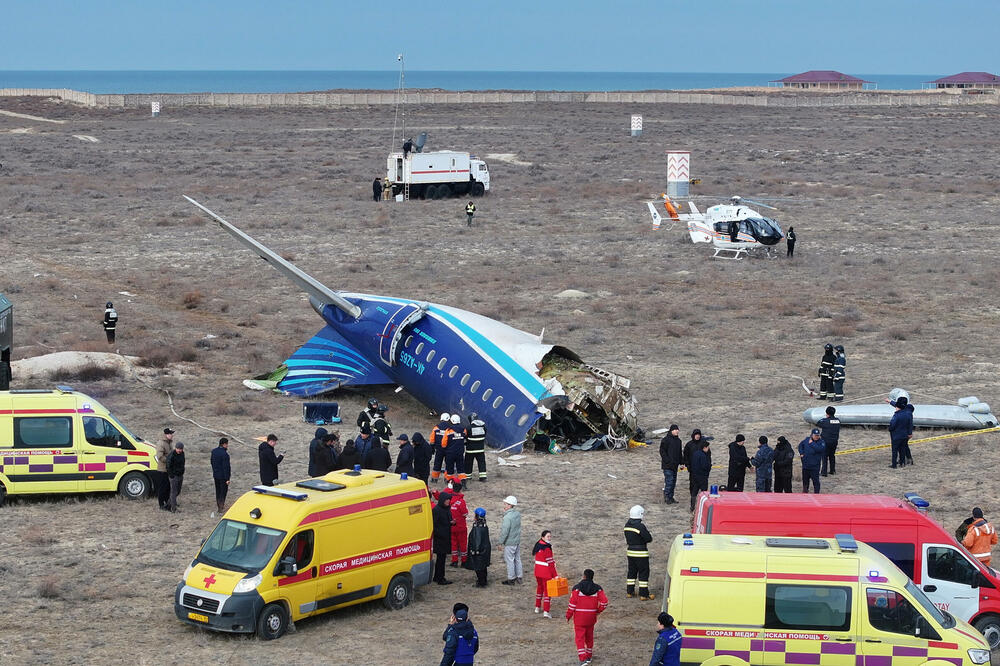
980,538
453,443
459,524
545,568
437,433
586,602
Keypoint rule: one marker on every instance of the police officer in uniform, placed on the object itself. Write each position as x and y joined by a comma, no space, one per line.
839,374
829,428
368,415
110,322
637,553
475,446
826,373
380,426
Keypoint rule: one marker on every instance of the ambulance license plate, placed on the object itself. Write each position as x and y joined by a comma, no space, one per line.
198,617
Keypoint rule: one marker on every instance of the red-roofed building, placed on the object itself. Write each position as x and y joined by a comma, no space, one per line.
968,80
824,79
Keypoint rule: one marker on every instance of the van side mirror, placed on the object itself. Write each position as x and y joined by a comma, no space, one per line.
287,566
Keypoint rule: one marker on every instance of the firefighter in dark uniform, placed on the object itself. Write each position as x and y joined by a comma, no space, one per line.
438,442
380,426
637,553
110,322
454,452
839,374
826,373
829,428
368,415
475,446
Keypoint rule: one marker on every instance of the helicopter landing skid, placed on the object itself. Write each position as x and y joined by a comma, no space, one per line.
735,253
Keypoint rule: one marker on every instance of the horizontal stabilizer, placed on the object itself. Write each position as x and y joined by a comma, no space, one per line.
325,363
657,220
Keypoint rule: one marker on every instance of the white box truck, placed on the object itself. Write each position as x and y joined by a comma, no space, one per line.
437,175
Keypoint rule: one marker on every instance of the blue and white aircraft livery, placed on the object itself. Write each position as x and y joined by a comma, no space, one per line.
451,360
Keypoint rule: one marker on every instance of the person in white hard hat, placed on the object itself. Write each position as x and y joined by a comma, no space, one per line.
637,553
510,541
437,433
454,451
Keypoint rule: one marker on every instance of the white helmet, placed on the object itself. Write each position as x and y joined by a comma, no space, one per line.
445,416
636,512
510,499
456,419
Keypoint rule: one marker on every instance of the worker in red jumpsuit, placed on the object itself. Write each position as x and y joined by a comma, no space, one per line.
585,603
545,568
459,524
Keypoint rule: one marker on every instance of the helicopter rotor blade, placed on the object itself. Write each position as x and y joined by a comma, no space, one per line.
757,203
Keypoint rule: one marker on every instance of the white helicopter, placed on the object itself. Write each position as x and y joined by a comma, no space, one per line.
734,229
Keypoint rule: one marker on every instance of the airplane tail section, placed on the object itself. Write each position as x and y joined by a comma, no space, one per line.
657,220
325,363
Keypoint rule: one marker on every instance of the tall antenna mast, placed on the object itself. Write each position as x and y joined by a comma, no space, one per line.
400,109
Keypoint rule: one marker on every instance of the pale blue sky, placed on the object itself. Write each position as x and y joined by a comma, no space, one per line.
873,36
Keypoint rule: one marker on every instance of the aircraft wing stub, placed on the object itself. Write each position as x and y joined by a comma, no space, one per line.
303,280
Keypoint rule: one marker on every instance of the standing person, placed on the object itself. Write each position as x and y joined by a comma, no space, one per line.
438,442
738,464
667,651
175,474
407,147
829,428
900,431
163,450
670,460
701,467
377,189
421,457
480,548
763,462
734,231
378,457
363,442
637,537
839,374
784,459
110,322
475,446
315,452
269,460
368,414
459,524
790,242
441,537
510,541
381,429
980,537
327,457
693,444
826,373
461,641
545,570
221,473
454,451
350,457
404,459
812,449
586,602
470,210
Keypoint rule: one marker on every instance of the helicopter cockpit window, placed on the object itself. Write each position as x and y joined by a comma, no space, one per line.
763,226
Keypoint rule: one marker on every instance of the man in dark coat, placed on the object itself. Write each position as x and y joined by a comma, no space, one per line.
422,455
738,464
377,189
693,444
812,449
829,428
314,452
762,462
404,459
670,460
364,440
900,431
784,459
269,461
790,242
175,474
479,547
328,458
701,467
350,456
221,473
378,457
441,539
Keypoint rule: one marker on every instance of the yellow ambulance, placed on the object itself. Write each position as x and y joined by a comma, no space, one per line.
780,600
62,441
286,552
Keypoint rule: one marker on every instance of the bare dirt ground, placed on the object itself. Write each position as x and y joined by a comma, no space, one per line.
896,260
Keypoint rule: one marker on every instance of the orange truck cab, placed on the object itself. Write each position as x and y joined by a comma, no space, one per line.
954,580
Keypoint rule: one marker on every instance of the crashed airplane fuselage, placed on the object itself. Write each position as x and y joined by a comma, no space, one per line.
449,359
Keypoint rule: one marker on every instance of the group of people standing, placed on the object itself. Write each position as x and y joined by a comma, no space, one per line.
832,373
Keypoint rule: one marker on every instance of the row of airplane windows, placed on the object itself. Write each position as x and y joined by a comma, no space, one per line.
487,394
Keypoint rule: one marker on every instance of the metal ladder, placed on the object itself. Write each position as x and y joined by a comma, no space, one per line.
406,191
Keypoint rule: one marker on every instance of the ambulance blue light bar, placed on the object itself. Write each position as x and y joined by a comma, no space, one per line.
281,492
916,500
847,543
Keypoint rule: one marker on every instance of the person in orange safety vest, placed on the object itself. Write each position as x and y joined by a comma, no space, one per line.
980,538
585,603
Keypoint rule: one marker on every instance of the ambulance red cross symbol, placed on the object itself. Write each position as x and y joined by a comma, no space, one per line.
210,581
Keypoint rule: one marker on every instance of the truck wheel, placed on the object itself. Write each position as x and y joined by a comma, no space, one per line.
272,623
134,485
444,191
430,192
400,592
989,627
478,189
